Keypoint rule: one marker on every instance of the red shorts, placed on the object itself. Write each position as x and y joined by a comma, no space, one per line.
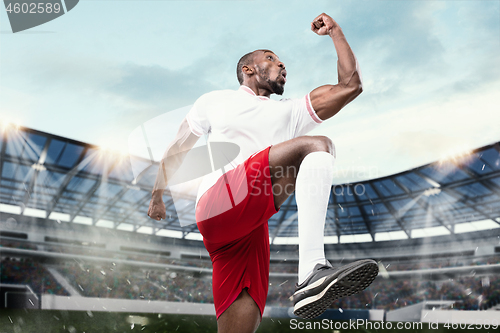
238,238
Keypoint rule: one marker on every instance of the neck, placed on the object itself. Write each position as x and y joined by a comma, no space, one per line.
259,91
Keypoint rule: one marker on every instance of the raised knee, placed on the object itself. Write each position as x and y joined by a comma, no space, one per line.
323,143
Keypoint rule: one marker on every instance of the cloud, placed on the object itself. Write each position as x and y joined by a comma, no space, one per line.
106,99
137,84
413,54
395,43
159,86
392,142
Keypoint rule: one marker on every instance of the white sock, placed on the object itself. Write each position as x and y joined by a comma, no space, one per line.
312,190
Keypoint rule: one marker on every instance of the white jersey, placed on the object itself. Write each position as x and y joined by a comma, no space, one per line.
252,122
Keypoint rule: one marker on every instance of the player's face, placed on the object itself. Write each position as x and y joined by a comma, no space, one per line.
271,71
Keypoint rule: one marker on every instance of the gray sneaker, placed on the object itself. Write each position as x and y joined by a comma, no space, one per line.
326,284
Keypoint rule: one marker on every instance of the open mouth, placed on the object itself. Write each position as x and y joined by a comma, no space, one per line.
283,75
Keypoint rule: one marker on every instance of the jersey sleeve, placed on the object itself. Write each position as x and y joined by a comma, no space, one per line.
304,118
197,117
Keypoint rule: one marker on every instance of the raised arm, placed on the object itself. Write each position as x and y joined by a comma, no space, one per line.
327,100
170,162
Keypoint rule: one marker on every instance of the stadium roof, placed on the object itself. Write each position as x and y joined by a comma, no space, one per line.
48,176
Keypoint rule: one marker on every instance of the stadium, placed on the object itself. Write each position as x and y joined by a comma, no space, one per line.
79,253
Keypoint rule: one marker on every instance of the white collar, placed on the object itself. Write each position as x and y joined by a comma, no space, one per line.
251,92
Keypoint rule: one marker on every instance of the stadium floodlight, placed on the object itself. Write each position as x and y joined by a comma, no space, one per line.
38,167
432,191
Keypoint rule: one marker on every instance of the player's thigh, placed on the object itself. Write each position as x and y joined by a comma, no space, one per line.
285,159
243,316
290,153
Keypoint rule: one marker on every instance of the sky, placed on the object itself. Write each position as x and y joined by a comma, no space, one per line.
430,71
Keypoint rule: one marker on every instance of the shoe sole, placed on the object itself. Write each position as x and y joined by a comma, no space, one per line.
351,282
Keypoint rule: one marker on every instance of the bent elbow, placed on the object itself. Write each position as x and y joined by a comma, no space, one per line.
356,84
360,89
356,90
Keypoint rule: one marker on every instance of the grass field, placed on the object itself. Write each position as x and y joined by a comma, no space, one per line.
55,321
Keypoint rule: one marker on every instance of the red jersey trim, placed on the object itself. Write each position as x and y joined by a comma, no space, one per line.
311,111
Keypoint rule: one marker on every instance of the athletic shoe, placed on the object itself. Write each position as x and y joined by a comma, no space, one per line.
326,284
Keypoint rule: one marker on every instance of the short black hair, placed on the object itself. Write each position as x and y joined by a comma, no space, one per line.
244,61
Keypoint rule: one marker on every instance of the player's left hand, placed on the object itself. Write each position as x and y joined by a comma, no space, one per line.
322,24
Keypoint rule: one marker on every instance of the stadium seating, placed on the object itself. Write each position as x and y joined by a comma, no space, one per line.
115,281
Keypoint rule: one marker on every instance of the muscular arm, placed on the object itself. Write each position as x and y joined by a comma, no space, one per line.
328,100
170,162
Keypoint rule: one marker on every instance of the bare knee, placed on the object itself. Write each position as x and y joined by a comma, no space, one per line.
320,143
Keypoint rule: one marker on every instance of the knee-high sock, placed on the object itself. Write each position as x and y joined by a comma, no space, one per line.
312,190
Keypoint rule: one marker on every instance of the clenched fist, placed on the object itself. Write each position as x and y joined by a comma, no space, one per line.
157,209
323,24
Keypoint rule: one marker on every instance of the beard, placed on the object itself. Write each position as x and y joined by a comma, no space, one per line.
276,87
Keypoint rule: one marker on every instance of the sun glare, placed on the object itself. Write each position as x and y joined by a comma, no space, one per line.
6,124
109,149
457,154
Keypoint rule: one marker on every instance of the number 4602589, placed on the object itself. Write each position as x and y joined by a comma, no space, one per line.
32,8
